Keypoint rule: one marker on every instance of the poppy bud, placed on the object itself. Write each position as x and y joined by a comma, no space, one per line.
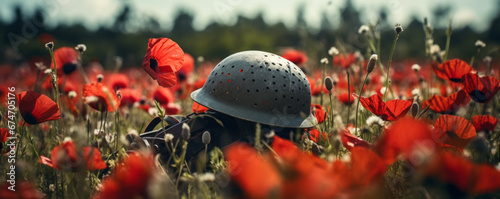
415,108
50,46
329,84
398,28
371,63
186,132
206,138
81,48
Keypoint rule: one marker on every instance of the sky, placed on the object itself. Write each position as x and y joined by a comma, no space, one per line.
93,13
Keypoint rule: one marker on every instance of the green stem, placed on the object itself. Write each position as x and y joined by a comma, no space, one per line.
32,144
389,65
321,85
348,96
448,38
357,105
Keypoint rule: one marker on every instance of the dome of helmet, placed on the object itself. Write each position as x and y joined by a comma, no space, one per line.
260,87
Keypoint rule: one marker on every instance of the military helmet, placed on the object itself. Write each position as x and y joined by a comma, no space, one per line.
260,87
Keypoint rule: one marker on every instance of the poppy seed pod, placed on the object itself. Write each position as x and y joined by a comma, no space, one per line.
371,63
329,84
415,108
186,132
206,138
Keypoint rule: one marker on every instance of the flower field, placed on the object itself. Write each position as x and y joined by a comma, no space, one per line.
414,128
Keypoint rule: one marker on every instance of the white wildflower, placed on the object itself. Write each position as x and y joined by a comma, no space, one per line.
169,137
480,44
333,51
374,120
324,61
72,94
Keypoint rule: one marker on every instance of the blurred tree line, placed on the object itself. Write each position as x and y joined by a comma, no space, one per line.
23,38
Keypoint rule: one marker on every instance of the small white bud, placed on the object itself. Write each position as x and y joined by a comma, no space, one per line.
324,61
50,45
100,77
186,132
169,137
363,29
47,71
200,59
81,48
67,139
206,138
371,63
398,28
415,67
480,44
72,94
333,51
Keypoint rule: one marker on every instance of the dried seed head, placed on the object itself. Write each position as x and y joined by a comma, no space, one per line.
415,67
398,28
270,134
206,137
324,61
99,77
363,29
186,132
329,84
40,66
81,48
371,63
50,46
480,44
333,51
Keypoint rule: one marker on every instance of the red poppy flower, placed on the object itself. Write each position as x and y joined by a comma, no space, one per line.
484,122
453,130
198,108
36,108
4,134
256,176
447,105
100,97
187,67
129,96
344,60
295,56
453,70
468,176
67,157
350,141
163,58
66,59
367,167
345,99
404,137
388,111
164,96
117,81
314,135
481,89
130,178
319,112
22,190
